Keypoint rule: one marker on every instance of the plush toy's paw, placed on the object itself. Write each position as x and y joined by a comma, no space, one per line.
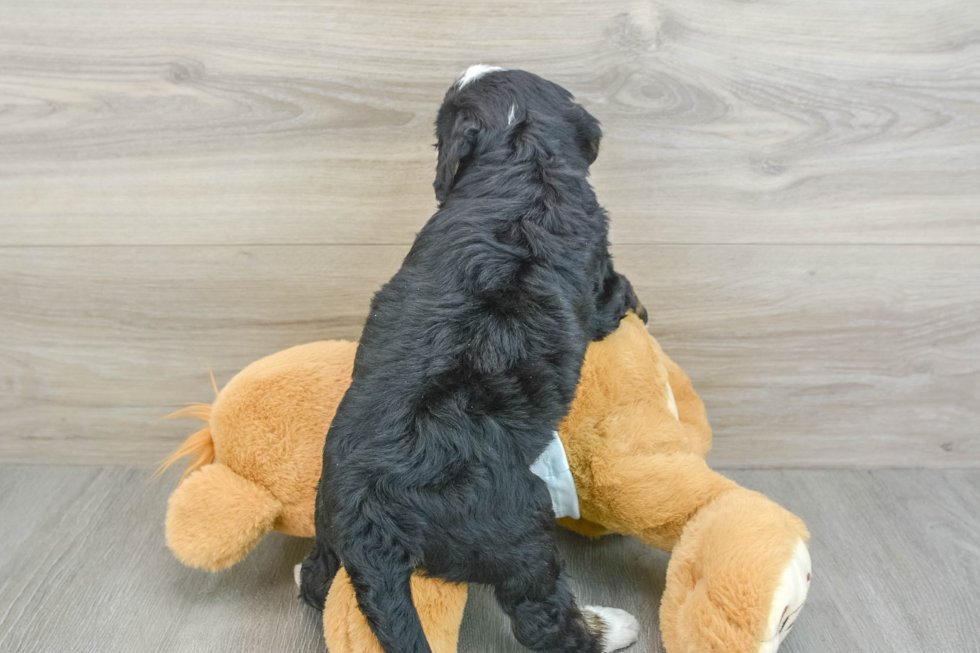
215,517
787,602
619,627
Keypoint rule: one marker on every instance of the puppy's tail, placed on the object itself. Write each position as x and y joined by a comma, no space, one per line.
200,445
384,594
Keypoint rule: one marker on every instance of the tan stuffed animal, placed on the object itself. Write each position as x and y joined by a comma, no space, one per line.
635,439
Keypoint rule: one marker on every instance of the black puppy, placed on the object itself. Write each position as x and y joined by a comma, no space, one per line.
469,359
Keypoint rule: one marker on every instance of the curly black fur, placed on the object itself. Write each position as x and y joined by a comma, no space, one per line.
469,359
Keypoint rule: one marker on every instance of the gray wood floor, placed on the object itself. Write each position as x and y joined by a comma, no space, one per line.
83,567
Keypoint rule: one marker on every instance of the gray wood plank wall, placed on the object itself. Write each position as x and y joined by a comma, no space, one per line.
794,188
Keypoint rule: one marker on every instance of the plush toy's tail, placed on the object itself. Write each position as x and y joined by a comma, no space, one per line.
215,517
200,445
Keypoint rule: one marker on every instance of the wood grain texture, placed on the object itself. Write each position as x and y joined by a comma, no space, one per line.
824,356
206,123
806,357
795,191
83,567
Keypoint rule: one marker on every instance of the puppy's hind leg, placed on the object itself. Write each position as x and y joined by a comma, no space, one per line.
545,617
316,573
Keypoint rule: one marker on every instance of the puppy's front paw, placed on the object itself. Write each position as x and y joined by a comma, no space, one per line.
617,628
297,571
787,601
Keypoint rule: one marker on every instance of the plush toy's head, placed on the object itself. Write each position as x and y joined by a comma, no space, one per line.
636,436
627,390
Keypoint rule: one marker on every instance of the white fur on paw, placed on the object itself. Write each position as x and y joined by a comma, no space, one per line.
787,602
297,573
621,630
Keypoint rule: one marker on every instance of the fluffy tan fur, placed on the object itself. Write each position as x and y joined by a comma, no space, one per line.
639,470
238,513
440,606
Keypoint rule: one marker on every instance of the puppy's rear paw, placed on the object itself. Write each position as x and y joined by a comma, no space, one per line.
617,628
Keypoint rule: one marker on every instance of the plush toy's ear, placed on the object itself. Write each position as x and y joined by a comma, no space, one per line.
457,140
216,517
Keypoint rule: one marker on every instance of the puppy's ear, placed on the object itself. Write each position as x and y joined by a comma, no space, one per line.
456,142
587,131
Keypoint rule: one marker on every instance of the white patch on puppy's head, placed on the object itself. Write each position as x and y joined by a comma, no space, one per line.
510,116
475,72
